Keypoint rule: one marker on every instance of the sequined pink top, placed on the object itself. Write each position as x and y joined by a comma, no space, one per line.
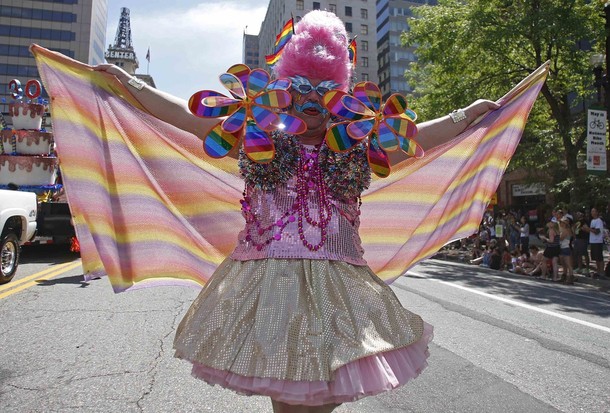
272,227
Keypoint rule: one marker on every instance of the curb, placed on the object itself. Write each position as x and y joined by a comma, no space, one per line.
602,284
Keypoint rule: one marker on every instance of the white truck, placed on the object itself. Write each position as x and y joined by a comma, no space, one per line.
18,212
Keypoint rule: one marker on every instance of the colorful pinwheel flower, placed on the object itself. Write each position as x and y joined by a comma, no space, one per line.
389,126
253,110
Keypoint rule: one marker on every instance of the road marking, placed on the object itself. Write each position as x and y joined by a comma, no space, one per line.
519,304
14,283
47,274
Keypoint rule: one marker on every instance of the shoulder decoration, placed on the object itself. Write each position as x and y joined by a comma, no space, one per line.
381,127
253,109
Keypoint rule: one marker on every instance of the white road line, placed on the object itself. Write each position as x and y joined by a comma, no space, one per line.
517,303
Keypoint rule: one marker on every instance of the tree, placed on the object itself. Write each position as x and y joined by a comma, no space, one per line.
481,48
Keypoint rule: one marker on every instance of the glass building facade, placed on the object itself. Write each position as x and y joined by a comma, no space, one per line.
76,28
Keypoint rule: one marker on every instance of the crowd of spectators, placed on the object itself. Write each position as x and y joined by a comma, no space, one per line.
569,244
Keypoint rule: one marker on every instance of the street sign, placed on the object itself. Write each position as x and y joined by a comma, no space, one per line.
596,141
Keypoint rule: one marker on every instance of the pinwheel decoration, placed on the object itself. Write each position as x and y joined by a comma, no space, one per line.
253,109
388,127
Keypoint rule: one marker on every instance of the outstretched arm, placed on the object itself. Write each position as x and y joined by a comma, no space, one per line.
162,105
439,131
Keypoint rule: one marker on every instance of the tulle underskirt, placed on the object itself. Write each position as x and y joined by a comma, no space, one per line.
363,377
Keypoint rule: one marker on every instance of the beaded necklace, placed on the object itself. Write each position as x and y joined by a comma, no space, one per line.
309,180
346,174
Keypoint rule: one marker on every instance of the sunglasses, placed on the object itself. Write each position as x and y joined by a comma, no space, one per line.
303,86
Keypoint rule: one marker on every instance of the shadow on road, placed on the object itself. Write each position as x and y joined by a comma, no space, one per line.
534,291
73,279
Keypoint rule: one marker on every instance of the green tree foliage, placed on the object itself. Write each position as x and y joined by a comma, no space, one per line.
481,48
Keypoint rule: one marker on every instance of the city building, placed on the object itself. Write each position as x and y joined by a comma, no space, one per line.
76,28
121,52
393,58
358,16
250,53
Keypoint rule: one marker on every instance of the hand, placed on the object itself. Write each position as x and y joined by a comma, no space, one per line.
478,108
114,70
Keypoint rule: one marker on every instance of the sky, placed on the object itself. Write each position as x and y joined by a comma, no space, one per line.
191,42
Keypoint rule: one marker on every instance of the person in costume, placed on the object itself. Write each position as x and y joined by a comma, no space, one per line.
295,313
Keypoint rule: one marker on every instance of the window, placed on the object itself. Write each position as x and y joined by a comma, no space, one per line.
348,11
364,45
332,8
316,5
300,4
365,77
348,27
364,61
364,13
364,29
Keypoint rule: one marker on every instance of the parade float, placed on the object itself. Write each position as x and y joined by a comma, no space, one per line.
28,162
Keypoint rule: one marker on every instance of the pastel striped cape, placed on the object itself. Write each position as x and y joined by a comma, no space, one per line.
150,208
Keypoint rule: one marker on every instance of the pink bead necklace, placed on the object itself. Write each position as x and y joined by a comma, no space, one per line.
309,180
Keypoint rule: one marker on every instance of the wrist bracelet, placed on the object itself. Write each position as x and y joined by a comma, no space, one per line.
458,115
136,83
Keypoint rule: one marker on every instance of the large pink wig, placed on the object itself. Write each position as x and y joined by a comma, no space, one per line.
317,50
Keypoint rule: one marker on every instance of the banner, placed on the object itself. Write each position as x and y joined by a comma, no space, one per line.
596,141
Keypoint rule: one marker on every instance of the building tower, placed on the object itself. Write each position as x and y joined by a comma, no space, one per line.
393,58
122,53
359,18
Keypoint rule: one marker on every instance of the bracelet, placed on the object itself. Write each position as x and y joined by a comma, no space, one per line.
458,115
136,83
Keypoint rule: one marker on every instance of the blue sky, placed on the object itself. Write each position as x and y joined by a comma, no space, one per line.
191,42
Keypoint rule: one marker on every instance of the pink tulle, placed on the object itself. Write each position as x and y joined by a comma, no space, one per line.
364,377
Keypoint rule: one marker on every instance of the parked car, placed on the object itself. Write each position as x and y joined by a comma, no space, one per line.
18,212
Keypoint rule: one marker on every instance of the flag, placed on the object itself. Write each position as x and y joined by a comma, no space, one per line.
353,52
150,225
148,55
273,58
280,41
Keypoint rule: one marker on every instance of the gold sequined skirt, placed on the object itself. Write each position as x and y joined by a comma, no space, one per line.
293,319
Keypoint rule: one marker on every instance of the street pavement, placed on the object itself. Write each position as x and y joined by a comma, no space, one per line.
503,344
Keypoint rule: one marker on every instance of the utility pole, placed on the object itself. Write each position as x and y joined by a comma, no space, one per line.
606,83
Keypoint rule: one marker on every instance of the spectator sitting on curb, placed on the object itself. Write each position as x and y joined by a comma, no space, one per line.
538,259
507,259
496,259
524,263
485,259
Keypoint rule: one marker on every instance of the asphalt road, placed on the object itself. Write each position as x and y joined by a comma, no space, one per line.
502,343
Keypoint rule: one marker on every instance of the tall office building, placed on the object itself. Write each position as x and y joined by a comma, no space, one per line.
250,51
76,28
358,16
393,58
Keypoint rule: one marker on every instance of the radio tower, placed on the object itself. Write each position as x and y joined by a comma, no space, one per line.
121,53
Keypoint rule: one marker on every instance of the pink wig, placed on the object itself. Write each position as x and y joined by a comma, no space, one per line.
317,50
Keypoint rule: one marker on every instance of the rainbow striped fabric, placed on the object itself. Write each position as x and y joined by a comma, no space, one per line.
353,52
151,208
280,41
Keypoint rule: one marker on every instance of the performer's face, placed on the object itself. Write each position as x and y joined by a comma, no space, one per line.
307,102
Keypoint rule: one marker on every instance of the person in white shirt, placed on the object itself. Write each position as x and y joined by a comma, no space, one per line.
596,241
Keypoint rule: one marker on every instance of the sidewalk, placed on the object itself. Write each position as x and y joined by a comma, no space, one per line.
463,256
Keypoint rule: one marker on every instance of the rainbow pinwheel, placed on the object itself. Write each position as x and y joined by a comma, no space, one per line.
250,113
389,126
